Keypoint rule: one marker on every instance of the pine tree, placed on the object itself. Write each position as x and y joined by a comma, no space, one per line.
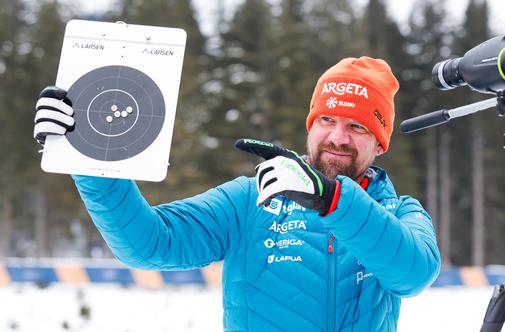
32,64
384,40
10,30
428,43
45,190
12,77
334,32
294,75
468,132
244,76
481,134
188,173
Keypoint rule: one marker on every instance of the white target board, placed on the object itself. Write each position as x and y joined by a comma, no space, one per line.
123,81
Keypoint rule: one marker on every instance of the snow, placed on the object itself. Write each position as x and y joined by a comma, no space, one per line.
445,309
113,308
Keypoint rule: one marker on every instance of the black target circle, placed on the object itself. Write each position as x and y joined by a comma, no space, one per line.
119,112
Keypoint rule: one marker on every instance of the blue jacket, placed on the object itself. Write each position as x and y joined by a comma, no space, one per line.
285,267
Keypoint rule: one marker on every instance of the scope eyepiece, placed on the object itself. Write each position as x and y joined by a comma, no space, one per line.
446,74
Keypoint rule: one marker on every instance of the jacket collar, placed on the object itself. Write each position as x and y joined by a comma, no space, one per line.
380,186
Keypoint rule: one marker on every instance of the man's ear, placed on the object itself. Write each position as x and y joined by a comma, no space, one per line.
379,150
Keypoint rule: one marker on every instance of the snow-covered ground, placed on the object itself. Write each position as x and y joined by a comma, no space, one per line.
114,308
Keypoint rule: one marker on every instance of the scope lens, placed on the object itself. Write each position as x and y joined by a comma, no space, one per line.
446,74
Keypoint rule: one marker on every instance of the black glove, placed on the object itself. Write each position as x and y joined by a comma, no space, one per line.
54,114
287,174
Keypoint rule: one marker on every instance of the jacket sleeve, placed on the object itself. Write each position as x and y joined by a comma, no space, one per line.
184,234
400,250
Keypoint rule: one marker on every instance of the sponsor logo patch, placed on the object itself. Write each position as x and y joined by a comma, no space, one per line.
282,244
390,206
274,207
342,88
379,117
287,226
360,276
333,102
293,206
280,259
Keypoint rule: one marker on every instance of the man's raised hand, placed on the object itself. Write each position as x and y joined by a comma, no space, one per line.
54,114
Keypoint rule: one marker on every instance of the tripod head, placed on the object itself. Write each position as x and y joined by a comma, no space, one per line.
482,69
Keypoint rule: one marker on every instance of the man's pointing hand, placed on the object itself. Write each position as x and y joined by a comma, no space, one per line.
287,174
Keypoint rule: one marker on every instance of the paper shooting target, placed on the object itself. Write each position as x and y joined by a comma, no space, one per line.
119,112
123,80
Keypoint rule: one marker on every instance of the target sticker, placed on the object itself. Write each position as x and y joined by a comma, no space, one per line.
119,112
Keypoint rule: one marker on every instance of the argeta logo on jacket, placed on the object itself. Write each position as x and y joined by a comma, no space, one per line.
287,226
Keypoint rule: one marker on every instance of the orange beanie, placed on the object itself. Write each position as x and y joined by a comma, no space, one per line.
362,89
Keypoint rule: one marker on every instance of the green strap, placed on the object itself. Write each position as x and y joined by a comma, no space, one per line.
319,183
500,69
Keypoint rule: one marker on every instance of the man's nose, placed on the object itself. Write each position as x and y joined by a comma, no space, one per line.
339,135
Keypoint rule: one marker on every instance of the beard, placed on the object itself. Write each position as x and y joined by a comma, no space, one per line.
332,168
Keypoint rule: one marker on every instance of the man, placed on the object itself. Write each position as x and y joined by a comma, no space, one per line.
322,244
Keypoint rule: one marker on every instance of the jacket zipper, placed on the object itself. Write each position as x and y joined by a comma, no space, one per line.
331,285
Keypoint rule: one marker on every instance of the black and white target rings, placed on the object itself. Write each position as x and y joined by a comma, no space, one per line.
119,112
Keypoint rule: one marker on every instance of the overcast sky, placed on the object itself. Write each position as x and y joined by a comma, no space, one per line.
399,9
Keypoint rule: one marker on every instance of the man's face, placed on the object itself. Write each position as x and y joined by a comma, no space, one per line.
341,146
